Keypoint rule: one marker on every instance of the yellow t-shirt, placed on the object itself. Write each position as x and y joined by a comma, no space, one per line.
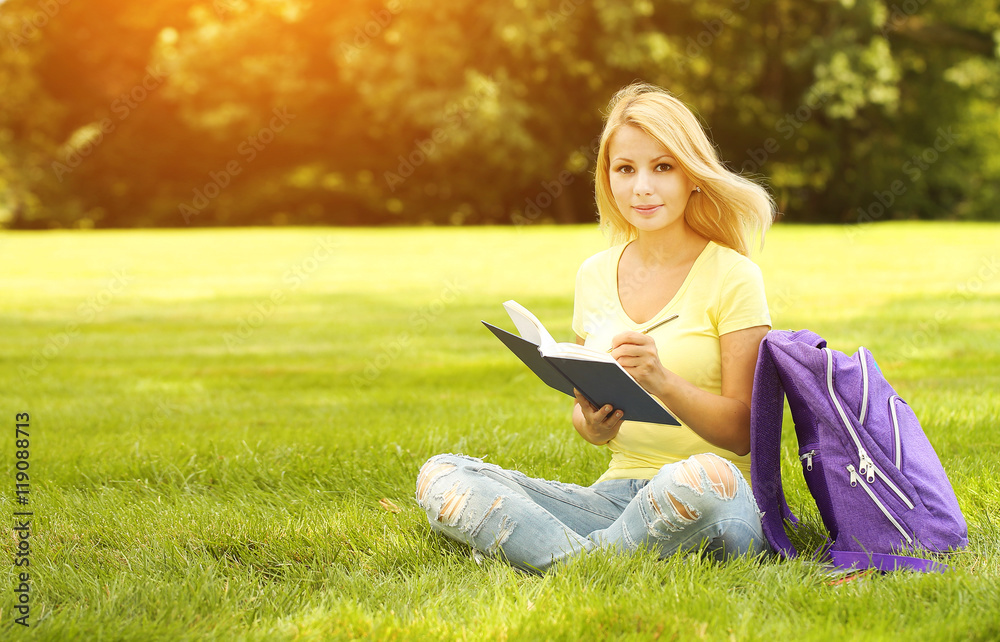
723,292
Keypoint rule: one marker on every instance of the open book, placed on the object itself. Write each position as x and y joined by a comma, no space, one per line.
565,366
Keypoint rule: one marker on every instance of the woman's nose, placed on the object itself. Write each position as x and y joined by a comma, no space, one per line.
643,184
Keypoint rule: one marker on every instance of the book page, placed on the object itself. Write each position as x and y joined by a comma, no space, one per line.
528,325
575,351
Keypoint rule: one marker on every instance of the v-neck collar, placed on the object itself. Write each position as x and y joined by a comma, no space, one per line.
711,245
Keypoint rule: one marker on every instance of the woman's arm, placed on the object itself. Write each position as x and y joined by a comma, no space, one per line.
596,425
721,420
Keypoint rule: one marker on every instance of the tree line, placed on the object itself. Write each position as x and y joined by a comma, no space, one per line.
372,112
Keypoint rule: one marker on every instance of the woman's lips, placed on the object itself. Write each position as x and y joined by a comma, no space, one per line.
646,209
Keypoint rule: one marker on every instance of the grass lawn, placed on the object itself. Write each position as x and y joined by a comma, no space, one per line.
226,425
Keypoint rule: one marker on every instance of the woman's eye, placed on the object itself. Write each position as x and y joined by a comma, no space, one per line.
623,169
664,167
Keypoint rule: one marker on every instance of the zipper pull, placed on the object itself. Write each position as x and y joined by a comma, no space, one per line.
808,457
867,466
854,475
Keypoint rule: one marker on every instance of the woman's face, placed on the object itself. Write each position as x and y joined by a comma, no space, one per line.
651,191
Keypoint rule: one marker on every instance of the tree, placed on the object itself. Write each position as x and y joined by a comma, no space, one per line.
215,112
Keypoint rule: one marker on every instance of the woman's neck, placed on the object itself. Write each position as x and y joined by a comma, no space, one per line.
669,246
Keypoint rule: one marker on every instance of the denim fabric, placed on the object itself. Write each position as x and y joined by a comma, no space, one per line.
535,523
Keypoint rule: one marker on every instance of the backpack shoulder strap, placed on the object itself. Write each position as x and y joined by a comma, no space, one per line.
766,411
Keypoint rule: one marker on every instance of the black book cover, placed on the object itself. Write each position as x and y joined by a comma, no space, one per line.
600,382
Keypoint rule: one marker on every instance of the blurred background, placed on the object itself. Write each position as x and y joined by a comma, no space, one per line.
174,113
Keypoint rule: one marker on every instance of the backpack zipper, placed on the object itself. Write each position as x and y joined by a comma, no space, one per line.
864,392
866,466
808,458
898,448
857,479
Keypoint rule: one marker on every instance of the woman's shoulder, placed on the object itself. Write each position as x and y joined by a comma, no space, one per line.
726,259
725,268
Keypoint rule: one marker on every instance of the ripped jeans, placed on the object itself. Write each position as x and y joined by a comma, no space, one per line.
535,523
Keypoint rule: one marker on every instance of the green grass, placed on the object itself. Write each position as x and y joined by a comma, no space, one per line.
195,478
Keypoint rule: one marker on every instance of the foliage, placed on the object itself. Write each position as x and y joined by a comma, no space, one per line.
420,111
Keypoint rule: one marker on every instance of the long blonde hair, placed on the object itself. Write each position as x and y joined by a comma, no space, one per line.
730,210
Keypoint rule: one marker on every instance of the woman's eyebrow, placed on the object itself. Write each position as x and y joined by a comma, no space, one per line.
629,160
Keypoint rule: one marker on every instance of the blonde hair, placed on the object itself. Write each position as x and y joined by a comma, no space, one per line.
730,210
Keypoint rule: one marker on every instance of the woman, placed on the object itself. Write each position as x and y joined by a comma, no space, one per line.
682,225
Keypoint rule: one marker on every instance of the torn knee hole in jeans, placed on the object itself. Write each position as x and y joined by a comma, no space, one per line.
686,476
717,470
680,514
428,475
452,504
452,501
453,513
449,507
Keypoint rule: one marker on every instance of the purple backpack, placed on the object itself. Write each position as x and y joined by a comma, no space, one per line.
877,481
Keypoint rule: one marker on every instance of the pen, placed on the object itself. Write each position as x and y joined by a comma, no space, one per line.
653,327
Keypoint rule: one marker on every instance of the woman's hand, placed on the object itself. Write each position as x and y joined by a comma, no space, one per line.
636,352
596,425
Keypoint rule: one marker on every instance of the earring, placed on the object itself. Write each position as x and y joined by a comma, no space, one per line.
698,189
